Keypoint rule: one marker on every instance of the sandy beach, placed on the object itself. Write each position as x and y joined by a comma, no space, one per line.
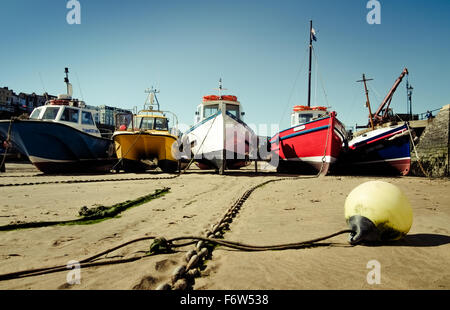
285,211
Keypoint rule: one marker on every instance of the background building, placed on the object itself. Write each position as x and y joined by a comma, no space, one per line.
107,114
5,99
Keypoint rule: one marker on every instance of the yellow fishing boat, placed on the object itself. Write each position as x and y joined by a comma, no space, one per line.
144,140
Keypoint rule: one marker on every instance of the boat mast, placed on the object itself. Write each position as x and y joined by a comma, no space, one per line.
367,97
66,80
154,92
310,60
220,89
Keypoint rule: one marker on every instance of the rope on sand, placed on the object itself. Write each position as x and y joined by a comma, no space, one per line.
192,258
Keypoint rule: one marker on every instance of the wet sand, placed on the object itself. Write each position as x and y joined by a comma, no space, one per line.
280,212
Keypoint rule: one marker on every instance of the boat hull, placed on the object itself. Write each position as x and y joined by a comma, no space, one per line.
312,147
136,150
385,151
57,148
220,138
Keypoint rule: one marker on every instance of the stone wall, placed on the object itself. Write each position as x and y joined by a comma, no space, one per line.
433,147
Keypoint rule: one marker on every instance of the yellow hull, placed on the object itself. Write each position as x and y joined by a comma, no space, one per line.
147,145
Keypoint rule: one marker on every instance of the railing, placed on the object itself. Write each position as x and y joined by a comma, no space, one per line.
106,133
423,116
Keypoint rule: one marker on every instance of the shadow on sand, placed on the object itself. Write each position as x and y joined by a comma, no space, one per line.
423,240
417,240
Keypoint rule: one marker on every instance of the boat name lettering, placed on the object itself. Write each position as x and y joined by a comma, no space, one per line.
90,130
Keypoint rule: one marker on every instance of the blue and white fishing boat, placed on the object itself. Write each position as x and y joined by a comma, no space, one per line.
381,150
384,151
61,136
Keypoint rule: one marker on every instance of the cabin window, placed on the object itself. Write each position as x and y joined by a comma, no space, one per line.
35,114
146,123
70,115
304,118
210,110
161,124
233,109
150,123
50,113
86,118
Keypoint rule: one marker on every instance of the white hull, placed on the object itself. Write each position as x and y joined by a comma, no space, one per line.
209,147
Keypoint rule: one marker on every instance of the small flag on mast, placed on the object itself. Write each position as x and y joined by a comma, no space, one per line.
313,34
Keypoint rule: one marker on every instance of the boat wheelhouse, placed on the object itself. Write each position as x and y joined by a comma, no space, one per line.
70,112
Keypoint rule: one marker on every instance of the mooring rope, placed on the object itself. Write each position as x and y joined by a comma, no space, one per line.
87,181
419,161
129,149
200,147
324,157
87,262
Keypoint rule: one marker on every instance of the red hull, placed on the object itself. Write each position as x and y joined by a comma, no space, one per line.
315,144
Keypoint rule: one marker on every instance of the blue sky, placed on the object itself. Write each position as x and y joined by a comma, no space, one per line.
257,47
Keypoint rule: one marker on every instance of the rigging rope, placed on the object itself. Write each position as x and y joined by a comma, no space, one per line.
320,77
302,66
193,156
129,149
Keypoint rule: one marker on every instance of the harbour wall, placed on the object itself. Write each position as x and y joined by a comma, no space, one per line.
433,147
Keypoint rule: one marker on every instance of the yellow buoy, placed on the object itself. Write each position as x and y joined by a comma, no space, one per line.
377,211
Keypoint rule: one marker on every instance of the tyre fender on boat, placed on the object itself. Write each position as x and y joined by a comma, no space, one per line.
377,211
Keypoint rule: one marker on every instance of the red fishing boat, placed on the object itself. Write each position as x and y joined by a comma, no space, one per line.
312,144
314,140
